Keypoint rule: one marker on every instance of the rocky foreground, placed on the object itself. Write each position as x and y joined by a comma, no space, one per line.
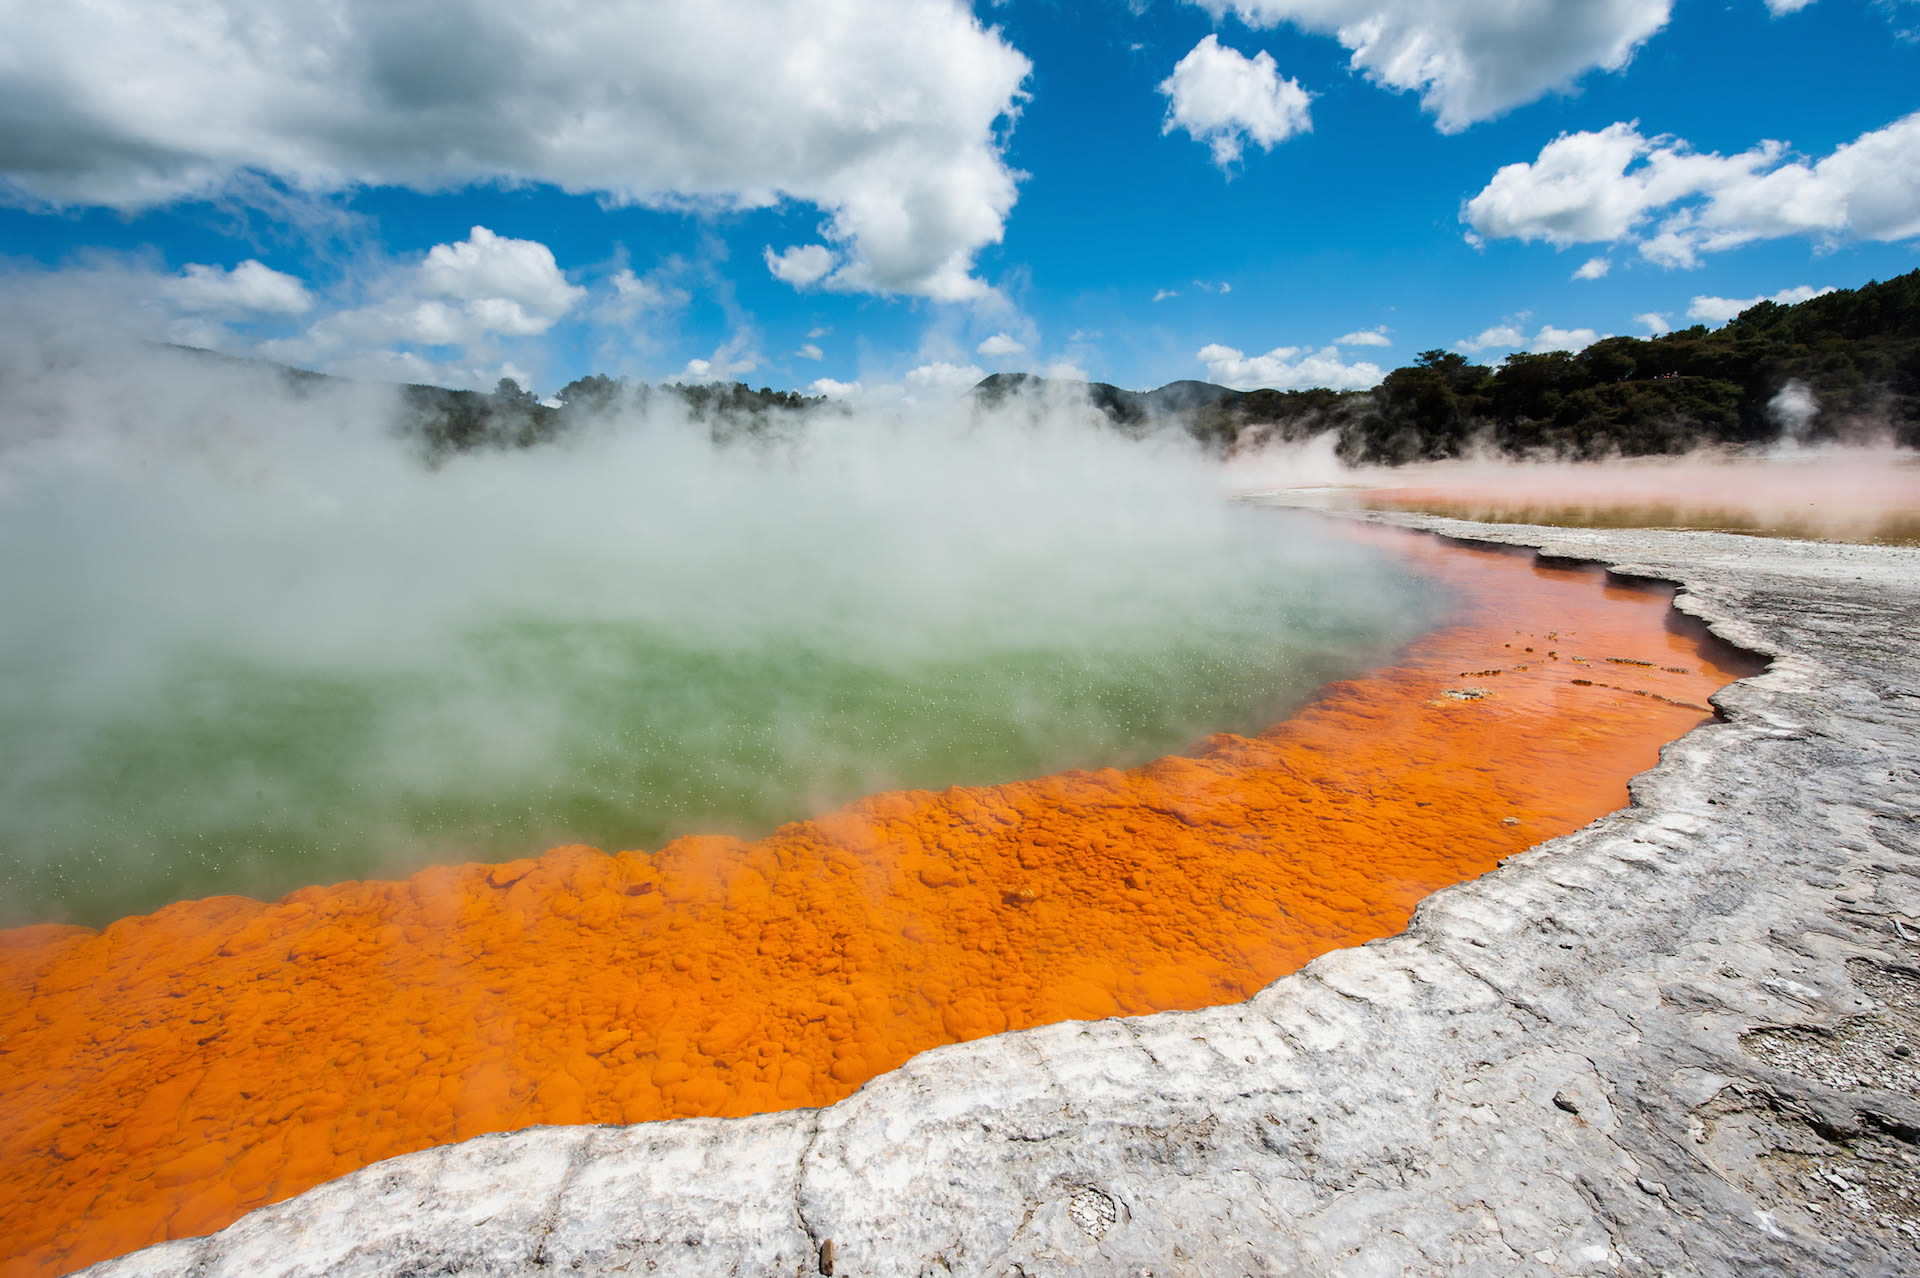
1681,1040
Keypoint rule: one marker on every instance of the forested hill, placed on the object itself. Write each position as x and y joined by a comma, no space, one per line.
442,421
1842,366
1855,354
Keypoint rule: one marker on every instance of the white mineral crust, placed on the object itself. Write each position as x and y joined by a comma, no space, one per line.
1677,1041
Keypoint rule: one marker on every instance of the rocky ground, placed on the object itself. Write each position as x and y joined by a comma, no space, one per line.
1681,1040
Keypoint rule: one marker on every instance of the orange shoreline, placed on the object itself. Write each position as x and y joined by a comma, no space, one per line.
170,1072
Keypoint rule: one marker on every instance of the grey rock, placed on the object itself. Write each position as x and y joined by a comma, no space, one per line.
1665,1044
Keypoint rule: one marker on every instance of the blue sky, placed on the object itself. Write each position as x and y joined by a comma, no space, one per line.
900,195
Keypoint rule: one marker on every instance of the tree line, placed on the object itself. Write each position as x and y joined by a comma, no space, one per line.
446,422
1853,357
1856,352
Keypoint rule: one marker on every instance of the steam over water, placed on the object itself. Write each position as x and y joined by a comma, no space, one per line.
253,643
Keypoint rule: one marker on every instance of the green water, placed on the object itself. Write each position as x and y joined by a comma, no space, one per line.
234,773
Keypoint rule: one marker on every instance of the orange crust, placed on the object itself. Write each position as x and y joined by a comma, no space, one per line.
165,1075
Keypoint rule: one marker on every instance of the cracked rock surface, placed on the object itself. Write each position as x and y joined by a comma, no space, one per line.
1681,1040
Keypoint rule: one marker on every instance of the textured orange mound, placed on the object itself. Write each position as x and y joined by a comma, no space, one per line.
163,1076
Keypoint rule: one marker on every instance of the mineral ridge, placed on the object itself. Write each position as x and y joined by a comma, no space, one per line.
1677,1040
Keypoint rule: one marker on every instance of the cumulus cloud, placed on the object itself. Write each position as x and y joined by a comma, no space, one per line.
887,115
250,288
1509,336
834,390
473,291
1001,346
1718,310
801,265
1225,99
1656,323
1467,59
1501,337
1779,7
944,379
1286,368
1162,295
1367,337
1593,268
494,271
1610,186
809,351
1575,340
1067,371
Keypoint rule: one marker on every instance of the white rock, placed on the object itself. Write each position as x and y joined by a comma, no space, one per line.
1386,1110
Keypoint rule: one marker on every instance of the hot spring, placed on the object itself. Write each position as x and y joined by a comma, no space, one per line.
906,728
256,644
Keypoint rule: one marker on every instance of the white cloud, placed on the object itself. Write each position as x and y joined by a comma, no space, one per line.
1501,337
1606,187
942,378
1205,286
1550,338
733,358
491,270
887,115
810,351
1165,293
1511,337
1067,371
466,294
1225,99
1000,346
633,294
250,288
1779,7
815,334
484,286
1718,310
834,390
1286,368
801,265
1593,268
1469,60
1656,322
1366,337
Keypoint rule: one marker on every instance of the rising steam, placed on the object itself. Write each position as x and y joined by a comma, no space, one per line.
255,643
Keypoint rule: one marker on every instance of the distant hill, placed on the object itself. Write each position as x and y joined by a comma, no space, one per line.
444,421
1845,366
1852,358
1219,417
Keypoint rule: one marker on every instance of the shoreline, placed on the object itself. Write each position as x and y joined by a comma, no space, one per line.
1550,1070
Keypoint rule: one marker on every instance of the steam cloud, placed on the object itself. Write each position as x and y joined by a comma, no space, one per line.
1793,409
239,609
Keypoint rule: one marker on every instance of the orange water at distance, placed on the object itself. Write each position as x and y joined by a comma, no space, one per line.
164,1075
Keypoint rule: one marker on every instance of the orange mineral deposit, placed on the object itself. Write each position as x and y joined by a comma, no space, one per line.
164,1075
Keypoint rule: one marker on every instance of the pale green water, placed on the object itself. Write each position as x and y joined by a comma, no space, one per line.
237,776
248,643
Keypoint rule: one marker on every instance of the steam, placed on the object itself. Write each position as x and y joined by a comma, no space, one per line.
1793,409
254,643
1864,493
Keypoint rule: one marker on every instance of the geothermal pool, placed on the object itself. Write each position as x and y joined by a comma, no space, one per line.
293,655
162,1076
896,732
